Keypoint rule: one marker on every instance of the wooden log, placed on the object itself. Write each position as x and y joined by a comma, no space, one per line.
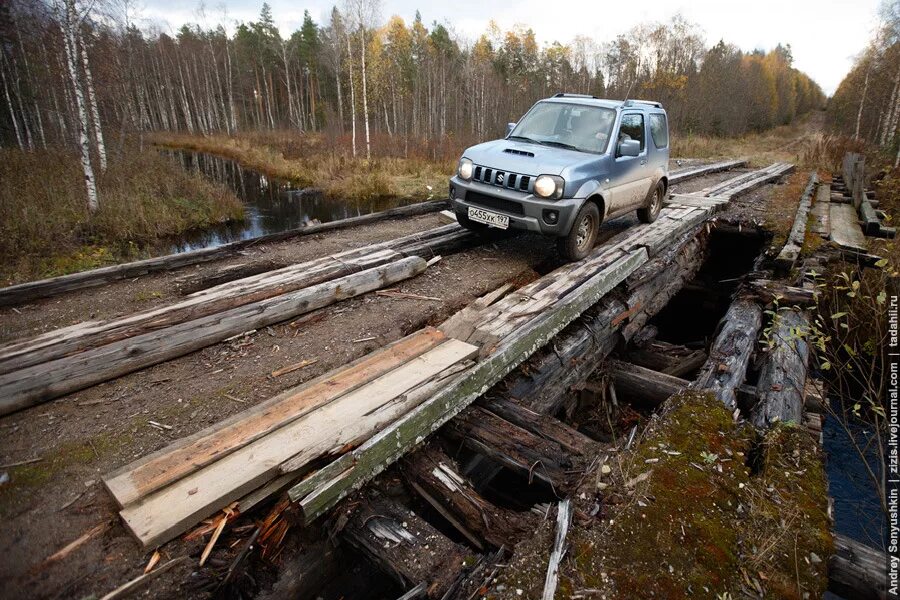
856,570
541,425
782,377
85,336
687,173
766,292
330,484
436,477
888,233
515,448
648,388
195,282
795,239
340,424
689,363
150,473
845,229
405,546
563,519
42,382
868,218
25,292
729,356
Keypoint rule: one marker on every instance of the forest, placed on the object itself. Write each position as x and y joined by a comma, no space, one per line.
360,72
89,90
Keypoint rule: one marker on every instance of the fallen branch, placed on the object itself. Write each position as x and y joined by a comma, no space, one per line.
563,518
291,368
138,582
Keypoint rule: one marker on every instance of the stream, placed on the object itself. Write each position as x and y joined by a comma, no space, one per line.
270,205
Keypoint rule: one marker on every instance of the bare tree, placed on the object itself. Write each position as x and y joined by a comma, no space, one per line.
363,15
92,99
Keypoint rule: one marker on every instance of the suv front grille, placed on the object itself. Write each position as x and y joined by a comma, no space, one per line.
508,206
504,179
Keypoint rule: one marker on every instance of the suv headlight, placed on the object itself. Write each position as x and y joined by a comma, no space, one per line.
549,186
465,168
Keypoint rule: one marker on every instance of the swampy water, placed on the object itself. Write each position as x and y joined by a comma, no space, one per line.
271,205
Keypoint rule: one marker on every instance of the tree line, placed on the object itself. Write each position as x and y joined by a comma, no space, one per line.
72,70
866,104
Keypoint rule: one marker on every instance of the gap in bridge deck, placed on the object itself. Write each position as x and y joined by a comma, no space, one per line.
691,317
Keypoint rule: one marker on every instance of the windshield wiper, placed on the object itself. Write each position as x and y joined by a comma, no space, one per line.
560,145
524,139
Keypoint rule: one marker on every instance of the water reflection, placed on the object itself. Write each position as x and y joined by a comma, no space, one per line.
270,205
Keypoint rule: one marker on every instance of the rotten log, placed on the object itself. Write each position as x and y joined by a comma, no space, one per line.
436,477
515,448
646,387
856,570
25,292
403,545
539,424
729,356
767,292
782,378
196,282
791,250
42,382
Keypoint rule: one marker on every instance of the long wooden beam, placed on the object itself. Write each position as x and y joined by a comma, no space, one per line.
25,292
681,175
42,382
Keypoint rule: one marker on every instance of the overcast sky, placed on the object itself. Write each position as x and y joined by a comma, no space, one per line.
825,35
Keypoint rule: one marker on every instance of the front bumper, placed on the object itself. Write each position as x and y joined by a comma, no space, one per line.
525,211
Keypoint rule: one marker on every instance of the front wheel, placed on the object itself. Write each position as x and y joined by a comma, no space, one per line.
581,239
651,211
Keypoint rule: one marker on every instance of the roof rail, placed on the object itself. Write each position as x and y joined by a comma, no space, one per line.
565,95
650,102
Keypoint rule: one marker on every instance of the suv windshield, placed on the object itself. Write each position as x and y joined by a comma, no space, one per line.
573,126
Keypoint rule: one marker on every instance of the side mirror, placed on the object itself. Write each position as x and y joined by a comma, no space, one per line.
628,148
509,128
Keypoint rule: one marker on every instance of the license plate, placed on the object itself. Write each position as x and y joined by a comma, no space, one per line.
489,218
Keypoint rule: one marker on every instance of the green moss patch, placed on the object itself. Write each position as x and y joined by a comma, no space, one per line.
702,507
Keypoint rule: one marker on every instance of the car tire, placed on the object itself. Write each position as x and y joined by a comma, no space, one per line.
583,235
649,213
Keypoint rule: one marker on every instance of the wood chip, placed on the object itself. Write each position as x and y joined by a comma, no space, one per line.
159,425
153,560
365,339
291,368
75,544
138,582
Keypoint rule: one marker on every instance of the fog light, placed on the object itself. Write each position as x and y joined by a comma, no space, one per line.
551,216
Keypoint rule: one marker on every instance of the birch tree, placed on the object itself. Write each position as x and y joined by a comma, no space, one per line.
363,15
70,24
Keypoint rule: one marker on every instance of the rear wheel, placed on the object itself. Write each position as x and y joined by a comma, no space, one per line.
581,239
651,211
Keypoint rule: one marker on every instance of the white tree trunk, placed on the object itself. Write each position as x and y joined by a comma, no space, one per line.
9,103
362,37
69,38
352,94
92,98
287,82
862,103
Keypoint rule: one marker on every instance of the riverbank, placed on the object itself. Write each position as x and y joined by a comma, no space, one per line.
313,160
46,229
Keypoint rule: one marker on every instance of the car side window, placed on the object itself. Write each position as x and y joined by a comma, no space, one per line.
659,131
632,128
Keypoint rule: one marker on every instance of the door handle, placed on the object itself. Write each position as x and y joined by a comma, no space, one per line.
644,161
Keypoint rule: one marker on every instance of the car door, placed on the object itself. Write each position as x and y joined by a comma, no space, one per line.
630,178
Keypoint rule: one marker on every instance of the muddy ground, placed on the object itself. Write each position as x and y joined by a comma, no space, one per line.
80,437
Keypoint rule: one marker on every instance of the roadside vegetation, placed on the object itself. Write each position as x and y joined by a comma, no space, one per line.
46,228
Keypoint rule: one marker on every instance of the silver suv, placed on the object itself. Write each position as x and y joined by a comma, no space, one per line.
570,163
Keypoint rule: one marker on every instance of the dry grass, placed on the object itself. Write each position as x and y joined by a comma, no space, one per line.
310,159
46,230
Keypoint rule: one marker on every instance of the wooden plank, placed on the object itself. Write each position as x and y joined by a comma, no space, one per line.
190,454
333,482
869,218
42,382
32,290
857,571
820,211
171,510
796,237
845,230
543,426
647,387
682,175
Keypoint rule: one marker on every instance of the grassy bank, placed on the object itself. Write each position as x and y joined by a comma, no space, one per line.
46,230
316,160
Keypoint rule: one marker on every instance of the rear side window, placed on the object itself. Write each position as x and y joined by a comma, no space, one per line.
632,128
659,130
